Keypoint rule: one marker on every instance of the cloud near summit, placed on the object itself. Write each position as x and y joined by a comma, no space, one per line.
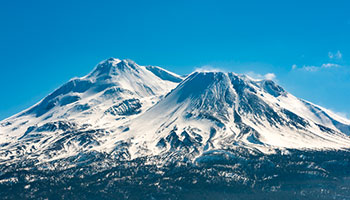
313,68
268,76
209,68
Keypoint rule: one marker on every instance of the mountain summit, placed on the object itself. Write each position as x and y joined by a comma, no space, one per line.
151,109
216,110
123,115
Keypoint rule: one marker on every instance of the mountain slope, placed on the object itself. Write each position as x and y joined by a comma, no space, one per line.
215,110
126,131
130,111
73,118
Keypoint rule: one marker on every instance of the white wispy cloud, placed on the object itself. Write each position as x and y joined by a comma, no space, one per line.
268,76
342,114
336,55
313,68
329,65
209,68
310,68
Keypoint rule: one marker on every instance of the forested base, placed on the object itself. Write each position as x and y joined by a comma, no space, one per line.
297,175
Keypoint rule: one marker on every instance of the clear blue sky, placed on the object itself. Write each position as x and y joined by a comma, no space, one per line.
45,43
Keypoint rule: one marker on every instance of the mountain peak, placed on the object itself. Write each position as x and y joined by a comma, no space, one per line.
152,110
113,66
111,60
123,117
111,76
219,84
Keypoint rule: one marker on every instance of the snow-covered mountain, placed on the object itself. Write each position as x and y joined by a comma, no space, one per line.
122,102
122,112
214,110
82,114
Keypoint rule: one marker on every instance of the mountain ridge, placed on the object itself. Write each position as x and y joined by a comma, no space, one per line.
223,106
154,111
126,131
